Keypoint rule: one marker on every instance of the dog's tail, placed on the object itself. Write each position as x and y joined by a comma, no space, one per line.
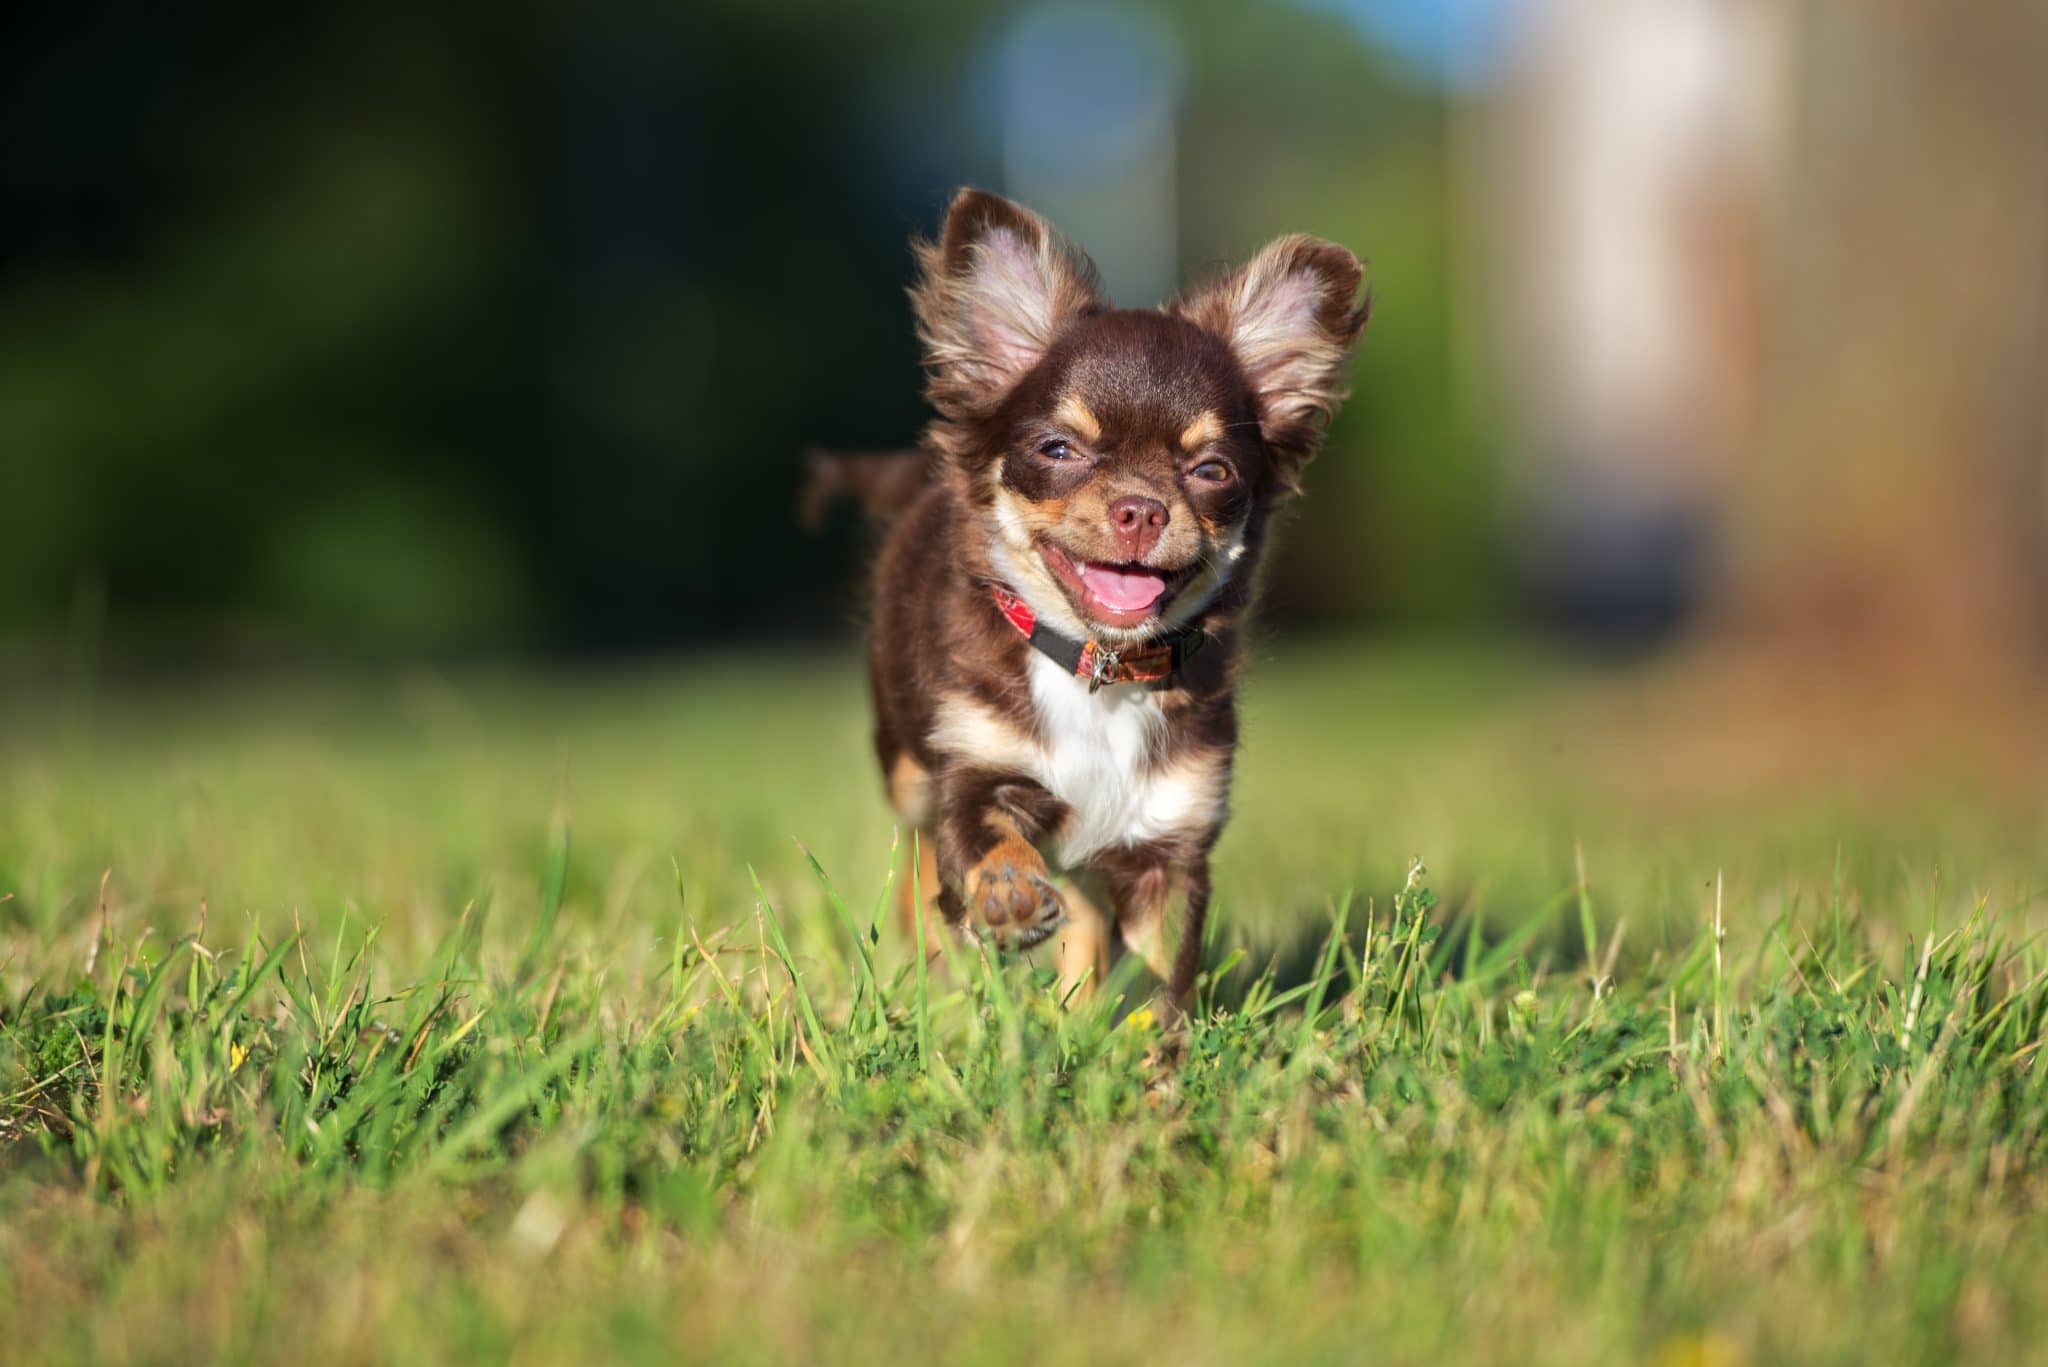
884,483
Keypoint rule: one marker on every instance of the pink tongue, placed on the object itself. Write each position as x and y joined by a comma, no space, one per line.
1123,590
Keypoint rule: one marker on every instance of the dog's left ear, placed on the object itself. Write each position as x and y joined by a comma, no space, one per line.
992,294
1291,315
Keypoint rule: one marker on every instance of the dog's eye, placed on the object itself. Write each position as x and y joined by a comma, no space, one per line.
1212,472
1056,449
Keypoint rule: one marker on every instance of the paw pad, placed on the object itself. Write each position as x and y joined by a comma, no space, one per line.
1017,903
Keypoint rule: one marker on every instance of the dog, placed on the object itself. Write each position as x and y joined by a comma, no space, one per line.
1070,555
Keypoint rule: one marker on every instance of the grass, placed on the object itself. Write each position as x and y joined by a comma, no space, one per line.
509,1019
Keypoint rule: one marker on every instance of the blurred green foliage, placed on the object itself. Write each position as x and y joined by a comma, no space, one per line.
485,328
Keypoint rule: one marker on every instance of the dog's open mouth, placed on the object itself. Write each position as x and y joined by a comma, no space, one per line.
1111,595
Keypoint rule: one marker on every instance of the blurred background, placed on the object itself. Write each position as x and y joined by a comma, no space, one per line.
403,411
497,331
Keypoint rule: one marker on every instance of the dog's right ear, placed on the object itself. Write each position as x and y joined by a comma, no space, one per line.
992,294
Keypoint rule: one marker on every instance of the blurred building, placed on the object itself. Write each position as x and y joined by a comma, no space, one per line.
1624,167
1765,287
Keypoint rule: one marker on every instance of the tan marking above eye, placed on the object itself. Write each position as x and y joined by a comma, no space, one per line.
1199,433
1078,416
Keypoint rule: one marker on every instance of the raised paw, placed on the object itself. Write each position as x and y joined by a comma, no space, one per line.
1012,896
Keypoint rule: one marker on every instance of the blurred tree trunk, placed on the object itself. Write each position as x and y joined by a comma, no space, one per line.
1893,501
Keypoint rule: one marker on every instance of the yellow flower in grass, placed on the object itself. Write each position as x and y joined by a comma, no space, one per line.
1141,1019
1698,1350
236,1053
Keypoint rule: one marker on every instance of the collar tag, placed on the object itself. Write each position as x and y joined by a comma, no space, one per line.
1100,664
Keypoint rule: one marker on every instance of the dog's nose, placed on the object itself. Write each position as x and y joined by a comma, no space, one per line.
1137,523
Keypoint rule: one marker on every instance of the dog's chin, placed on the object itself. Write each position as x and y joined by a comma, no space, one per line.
1129,601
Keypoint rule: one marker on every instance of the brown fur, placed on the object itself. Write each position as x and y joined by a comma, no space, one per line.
1025,360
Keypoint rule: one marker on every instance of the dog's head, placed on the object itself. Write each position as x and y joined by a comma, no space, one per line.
1124,460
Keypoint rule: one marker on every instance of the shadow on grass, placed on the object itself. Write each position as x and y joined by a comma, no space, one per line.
1458,934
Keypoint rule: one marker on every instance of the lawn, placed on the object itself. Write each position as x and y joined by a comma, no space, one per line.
500,1017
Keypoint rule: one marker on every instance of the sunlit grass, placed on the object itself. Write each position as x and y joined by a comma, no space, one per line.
503,1019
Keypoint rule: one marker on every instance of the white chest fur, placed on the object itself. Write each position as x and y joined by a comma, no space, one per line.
1099,754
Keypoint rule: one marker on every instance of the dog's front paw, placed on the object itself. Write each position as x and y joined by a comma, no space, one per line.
1010,893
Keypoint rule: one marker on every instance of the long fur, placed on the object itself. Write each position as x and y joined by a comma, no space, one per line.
1051,410
991,295
1289,316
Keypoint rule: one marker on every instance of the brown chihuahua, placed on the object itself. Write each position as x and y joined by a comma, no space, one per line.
1059,601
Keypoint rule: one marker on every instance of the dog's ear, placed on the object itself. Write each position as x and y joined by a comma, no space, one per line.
1291,315
992,293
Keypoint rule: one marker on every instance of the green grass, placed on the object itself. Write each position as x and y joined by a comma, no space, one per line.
499,1018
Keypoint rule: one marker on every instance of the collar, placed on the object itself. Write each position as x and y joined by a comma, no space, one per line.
1155,664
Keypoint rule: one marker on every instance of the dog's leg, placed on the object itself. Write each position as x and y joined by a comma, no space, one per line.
1144,891
1141,893
1083,947
1194,918
911,793
993,879
921,881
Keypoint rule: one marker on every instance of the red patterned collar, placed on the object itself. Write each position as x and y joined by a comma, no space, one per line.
1154,664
